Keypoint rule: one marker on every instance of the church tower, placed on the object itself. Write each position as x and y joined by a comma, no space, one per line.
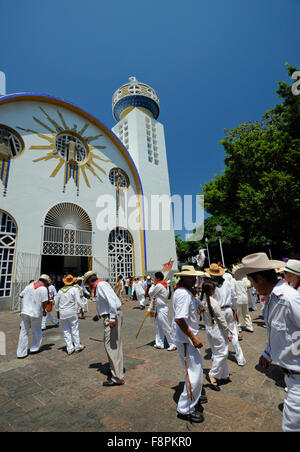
136,108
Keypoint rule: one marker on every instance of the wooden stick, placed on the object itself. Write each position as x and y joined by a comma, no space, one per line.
141,327
97,340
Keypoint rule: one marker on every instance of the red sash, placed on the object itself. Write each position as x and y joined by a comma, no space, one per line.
94,288
38,284
163,283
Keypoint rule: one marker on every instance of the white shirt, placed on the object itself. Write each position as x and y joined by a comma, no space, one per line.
226,296
67,303
219,319
107,302
241,290
138,288
185,306
160,293
52,292
282,317
32,300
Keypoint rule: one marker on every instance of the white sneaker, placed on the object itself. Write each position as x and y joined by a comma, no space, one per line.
82,347
156,346
242,363
172,348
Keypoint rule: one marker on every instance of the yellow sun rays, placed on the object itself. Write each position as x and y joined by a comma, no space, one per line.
72,169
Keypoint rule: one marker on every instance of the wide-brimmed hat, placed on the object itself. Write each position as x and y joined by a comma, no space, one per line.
69,280
88,274
188,270
257,262
293,266
215,270
45,277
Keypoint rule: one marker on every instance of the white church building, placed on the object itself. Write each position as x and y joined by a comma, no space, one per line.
75,195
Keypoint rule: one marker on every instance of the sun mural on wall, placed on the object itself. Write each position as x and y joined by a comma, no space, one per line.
70,148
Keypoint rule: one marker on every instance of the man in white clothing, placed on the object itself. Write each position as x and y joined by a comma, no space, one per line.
160,292
138,288
185,328
67,303
227,299
109,309
34,300
282,317
241,289
49,315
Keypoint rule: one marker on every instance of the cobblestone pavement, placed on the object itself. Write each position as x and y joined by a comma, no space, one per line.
51,391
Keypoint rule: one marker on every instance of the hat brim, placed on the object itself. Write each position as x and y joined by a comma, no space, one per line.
189,273
244,271
88,276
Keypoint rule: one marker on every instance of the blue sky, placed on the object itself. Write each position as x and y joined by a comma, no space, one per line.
214,64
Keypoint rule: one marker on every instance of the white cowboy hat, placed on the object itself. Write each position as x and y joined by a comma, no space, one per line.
189,270
45,278
293,266
257,262
87,275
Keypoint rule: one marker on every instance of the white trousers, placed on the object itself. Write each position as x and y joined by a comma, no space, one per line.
141,299
291,408
244,317
235,339
163,327
70,329
49,316
27,322
195,371
219,348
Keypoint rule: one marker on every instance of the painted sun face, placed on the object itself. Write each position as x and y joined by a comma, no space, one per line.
71,148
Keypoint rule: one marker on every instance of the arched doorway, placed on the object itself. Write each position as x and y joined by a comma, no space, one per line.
120,254
8,236
67,241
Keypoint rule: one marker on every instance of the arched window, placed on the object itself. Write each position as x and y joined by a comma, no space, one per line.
120,254
8,234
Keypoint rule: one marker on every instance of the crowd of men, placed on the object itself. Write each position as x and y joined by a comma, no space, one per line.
219,297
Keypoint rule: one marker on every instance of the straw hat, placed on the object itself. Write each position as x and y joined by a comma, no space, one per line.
257,262
45,277
69,280
189,270
293,266
215,270
88,274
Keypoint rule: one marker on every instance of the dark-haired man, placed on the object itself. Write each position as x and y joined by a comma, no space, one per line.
109,309
282,317
159,290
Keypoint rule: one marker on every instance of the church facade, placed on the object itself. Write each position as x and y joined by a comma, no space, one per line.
69,185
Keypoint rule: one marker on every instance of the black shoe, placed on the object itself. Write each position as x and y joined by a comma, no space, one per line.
202,399
111,383
214,387
196,417
224,381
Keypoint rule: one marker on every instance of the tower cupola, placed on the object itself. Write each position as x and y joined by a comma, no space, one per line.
135,95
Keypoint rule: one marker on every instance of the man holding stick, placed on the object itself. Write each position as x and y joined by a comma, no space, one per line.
109,309
186,327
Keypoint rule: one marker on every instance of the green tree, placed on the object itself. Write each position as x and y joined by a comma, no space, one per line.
257,196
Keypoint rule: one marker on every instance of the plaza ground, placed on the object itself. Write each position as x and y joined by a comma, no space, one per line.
52,391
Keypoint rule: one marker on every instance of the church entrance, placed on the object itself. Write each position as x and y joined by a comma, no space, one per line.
59,266
67,242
